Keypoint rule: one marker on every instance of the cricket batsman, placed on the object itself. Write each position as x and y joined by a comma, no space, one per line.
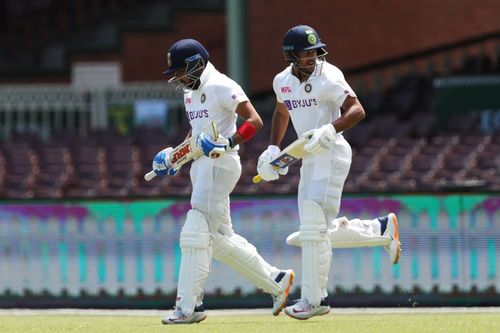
210,96
321,105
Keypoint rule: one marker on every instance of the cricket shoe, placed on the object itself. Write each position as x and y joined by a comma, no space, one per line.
390,229
285,281
178,317
302,310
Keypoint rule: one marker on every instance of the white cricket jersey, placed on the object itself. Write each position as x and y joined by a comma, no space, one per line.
216,100
316,101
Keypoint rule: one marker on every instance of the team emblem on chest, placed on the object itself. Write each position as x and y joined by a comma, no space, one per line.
203,98
308,88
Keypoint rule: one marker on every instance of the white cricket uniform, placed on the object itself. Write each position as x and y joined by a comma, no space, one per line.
312,104
216,99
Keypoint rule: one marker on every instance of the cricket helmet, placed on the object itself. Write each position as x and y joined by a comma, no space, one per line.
302,38
183,53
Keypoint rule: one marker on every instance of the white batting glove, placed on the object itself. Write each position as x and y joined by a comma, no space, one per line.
322,139
265,170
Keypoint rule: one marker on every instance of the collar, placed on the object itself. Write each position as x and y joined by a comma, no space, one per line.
207,73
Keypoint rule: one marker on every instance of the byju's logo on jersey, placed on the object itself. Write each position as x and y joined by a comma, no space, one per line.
286,90
197,114
300,103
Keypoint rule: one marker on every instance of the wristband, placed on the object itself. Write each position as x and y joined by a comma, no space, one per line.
247,130
231,142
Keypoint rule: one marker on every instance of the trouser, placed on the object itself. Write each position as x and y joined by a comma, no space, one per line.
208,229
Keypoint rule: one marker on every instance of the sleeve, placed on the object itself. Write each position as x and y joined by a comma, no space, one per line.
277,92
337,89
230,94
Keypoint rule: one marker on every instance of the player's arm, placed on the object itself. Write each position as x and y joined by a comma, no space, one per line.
321,139
353,113
265,170
281,118
163,164
252,123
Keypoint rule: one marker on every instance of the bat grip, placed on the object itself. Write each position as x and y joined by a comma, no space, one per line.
217,153
256,179
150,175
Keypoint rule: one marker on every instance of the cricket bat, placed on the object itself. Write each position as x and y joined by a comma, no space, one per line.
188,150
290,155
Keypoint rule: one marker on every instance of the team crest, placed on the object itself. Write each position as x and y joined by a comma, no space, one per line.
311,38
169,60
308,88
203,98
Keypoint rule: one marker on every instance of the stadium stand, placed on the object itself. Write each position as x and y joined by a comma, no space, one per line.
390,154
40,36
53,147
392,151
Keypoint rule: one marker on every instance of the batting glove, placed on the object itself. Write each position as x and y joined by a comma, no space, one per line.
210,147
321,140
267,171
161,164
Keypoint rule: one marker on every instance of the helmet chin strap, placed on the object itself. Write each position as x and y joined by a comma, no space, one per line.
303,71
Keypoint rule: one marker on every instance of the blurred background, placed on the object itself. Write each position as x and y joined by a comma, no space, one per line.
84,109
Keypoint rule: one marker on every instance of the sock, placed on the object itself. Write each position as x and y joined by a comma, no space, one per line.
383,224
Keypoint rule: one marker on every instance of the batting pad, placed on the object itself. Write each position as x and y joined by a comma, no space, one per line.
240,255
195,260
349,234
316,252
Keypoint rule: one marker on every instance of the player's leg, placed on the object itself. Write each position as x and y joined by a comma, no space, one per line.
344,233
348,233
320,189
236,252
382,231
316,260
209,198
214,181
194,269
356,232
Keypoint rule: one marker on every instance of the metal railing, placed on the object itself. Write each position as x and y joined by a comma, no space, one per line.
45,108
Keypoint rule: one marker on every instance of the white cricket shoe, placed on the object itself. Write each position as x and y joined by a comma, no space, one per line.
302,310
178,317
285,280
392,231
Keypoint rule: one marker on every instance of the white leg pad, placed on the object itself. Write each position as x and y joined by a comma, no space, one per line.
195,260
316,252
349,234
357,233
240,255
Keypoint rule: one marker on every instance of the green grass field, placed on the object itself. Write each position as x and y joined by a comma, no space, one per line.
257,323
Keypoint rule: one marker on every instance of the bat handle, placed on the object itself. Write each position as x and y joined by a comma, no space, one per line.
217,153
256,179
150,175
